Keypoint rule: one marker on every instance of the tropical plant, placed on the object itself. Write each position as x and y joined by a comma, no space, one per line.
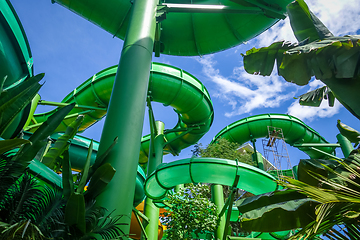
223,148
32,210
325,200
14,99
332,60
191,213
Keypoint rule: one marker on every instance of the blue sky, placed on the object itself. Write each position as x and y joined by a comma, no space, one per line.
69,50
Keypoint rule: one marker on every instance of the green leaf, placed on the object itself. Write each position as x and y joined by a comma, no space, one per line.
352,214
75,212
6,145
99,159
67,180
85,171
262,200
39,137
305,24
100,180
15,99
62,143
351,134
313,98
289,215
261,61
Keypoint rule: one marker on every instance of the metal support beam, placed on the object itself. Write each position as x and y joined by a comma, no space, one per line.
126,111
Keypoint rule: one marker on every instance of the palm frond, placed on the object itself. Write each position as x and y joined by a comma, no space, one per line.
106,226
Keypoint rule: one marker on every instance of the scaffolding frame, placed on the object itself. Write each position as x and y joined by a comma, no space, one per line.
274,147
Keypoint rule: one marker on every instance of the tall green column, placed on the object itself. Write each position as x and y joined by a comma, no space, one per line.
345,145
155,159
218,198
126,110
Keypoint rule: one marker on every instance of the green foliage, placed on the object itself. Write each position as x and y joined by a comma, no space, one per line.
328,192
351,134
14,100
62,143
333,60
223,148
191,212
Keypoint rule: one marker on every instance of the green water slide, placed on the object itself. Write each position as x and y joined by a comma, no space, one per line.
78,150
208,170
16,63
167,84
294,130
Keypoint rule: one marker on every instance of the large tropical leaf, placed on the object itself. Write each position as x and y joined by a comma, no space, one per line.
38,139
67,180
85,171
15,99
315,97
100,159
8,144
62,143
305,24
100,180
351,134
281,216
262,200
75,211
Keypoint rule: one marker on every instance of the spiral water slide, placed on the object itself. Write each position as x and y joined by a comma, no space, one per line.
294,131
16,63
167,84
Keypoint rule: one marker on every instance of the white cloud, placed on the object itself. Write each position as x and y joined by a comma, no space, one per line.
311,113
245,92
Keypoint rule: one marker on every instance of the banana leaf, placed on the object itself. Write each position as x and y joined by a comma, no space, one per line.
67,180
315,97
62,143
333,60
14,100
75,211
85,171
315,166
8,144
305,24
250,203
351,134
280,217
100,180
38,139
100,159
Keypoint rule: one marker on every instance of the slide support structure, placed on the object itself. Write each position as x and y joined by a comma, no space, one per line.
345,145
155,159
126,110
218,198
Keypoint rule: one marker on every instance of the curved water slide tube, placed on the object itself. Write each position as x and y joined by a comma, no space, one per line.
295,132
16,63
207,170
167,84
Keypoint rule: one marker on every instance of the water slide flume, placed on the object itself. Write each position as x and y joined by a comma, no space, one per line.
167,84
15,58
295,132
208,170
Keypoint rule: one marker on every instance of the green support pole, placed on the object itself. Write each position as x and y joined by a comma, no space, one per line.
155,159
126,110
258,158
345,145
218,198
